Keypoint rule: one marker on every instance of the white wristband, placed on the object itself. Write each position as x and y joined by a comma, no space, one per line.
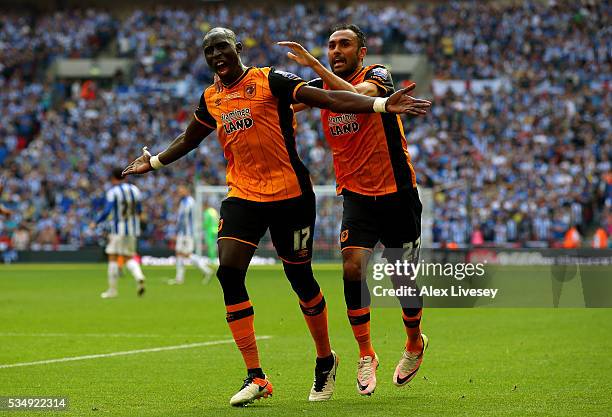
380,105
155,162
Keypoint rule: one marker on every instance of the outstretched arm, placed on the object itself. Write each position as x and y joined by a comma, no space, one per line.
347,102
185,142
300,55
181,146
369,88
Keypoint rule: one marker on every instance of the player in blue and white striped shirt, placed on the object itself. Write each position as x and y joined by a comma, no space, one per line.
185,214
185,239
122,210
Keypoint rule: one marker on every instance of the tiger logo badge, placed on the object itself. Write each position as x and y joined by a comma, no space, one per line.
344,236
249,91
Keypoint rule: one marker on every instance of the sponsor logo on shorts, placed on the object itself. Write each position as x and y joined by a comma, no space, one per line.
344,236
220,225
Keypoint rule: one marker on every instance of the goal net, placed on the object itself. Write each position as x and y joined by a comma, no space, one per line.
327,228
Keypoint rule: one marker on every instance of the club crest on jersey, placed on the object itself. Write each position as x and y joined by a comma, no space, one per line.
237,120
343,124
249,91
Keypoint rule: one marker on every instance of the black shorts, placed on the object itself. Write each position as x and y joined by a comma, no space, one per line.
393,219
291,223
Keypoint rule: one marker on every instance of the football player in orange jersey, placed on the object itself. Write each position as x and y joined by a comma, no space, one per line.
269,188
375,176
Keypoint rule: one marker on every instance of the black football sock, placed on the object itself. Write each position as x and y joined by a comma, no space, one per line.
255,373
325,364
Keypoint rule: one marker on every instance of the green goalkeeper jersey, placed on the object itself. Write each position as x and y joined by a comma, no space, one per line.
211,221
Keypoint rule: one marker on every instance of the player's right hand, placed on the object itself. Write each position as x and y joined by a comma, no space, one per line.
140,165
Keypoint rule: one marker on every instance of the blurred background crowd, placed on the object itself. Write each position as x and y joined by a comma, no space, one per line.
524,163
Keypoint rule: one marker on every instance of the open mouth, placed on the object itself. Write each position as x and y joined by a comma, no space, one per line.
338,62
221,67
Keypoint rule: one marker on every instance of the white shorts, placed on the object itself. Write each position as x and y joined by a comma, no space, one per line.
185,245
121,245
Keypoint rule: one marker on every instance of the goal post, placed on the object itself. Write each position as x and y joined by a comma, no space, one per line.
327,228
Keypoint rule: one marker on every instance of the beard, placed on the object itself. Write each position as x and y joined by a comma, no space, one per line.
350,68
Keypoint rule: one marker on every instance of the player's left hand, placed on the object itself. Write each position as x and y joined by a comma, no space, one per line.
402,102
299,54
139,165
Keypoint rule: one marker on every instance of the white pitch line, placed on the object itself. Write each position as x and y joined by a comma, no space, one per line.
124,353
128,335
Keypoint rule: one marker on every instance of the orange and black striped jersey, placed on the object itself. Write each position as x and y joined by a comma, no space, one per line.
369,150
256,127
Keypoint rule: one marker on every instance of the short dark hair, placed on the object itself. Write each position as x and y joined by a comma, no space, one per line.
361,37
117,173
225,31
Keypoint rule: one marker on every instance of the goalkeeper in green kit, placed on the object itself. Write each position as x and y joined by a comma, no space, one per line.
210,225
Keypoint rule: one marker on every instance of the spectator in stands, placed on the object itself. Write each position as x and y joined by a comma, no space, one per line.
21,238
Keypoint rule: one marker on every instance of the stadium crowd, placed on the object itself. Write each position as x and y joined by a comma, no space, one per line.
523,163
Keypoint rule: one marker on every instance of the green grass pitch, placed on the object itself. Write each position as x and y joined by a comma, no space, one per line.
501,362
